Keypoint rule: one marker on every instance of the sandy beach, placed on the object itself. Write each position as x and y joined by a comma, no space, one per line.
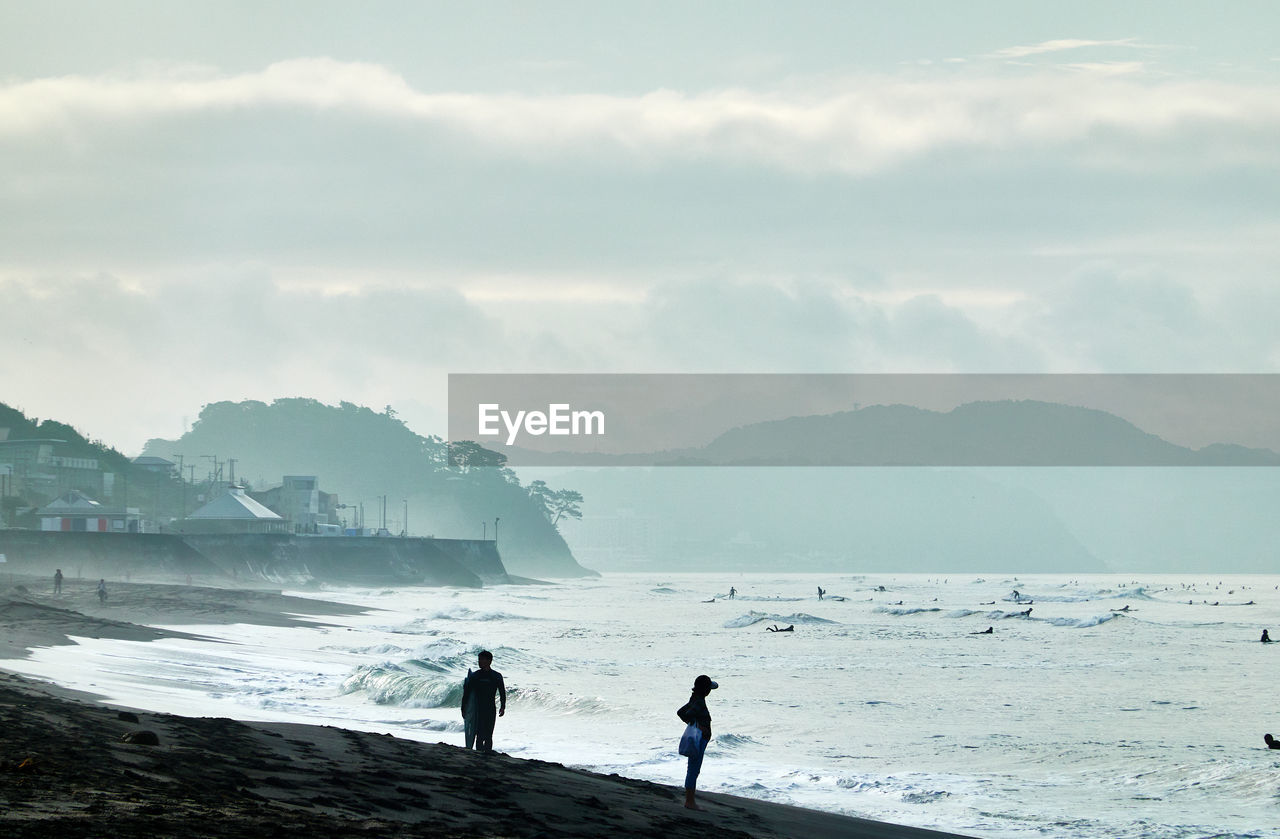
73,766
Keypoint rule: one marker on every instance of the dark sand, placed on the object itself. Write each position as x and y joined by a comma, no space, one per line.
32,616
65,772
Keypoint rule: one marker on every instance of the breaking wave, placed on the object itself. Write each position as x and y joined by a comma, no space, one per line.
754,617
462,613
1136,593
1082,623
905,610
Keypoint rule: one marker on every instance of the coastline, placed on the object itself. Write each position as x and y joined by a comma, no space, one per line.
65,769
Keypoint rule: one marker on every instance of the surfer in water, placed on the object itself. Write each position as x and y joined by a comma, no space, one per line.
1272,743
1266,639
775,628
990,630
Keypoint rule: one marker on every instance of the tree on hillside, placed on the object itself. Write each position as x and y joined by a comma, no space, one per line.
466,456
556,504
566,502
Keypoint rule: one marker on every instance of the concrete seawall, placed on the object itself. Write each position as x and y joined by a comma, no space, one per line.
246,557
115,556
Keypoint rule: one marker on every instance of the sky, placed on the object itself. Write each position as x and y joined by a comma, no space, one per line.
207,201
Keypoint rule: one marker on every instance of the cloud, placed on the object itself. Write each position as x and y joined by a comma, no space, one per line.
859,126
1105,318
136,361
1059,45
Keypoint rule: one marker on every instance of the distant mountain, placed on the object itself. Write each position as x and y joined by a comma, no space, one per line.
1003,433
362,456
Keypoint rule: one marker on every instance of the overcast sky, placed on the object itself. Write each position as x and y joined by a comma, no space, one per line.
209,201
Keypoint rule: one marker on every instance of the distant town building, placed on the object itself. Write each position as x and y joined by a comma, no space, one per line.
157,465
37,467
75,512
234,512
300,502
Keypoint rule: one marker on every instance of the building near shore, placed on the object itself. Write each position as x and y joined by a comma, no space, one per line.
43,467
234,512
75,512
300,501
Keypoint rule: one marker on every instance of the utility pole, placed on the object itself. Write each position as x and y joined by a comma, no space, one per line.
231,461
184,485
215,476
405,532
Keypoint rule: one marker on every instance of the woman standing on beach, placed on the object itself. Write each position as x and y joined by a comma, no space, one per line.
695,712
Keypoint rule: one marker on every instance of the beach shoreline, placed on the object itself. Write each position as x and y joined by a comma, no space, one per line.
65,769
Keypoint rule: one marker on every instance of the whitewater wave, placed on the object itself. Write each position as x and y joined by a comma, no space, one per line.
904,789
1136,593
430,678
462,613
999,615
557,702
408,685
729,742
905,610
754,617
759,598
1082,623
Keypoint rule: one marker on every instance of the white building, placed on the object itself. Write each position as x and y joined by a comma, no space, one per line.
234,512
75,512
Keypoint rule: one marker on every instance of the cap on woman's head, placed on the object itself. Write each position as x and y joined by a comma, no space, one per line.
704,682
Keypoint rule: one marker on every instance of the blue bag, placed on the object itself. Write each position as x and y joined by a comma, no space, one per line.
691,740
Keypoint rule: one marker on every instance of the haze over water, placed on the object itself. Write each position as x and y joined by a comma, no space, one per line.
1078,720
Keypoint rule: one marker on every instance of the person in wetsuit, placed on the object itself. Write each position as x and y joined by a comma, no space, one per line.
479,689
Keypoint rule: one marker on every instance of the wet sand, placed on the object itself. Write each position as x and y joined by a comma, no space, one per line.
66,771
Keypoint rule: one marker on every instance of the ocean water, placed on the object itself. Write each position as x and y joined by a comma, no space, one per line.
1119,707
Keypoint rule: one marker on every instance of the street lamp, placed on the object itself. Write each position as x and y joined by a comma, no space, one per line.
495,529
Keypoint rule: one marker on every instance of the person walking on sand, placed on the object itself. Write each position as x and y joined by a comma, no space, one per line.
480,689
102,591
695,712
57,581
